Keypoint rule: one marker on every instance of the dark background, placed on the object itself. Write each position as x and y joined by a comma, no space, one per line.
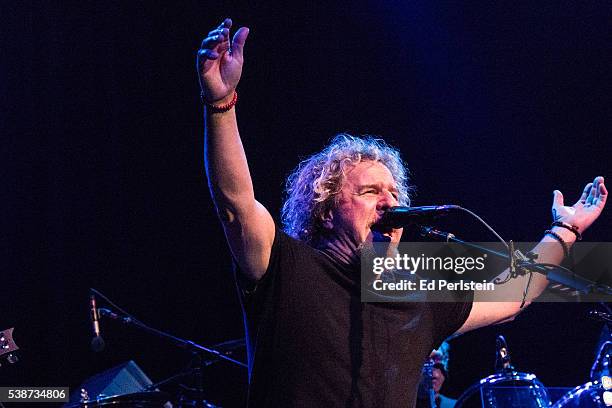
493,106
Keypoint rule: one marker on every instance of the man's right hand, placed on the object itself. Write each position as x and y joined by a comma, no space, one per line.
248,225
219,63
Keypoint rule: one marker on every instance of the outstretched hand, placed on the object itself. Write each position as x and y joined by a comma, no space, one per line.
586,210
219,62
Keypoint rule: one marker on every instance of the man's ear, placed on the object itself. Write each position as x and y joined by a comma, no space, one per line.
328,219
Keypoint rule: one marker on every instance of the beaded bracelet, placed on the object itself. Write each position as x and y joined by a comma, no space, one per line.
561,241
570,227
220,108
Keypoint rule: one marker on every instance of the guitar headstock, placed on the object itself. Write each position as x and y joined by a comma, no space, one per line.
8,346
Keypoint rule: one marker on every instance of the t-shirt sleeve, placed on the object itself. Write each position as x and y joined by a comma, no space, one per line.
450,316
249,289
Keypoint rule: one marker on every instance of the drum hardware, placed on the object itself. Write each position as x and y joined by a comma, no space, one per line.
506,388
502,355
601,369
601,366
589,395
596,393
602,316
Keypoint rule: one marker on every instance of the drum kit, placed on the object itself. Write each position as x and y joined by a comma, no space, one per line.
511,388
517,389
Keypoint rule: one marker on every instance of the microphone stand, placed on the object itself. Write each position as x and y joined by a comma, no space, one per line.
196,349
521,264
177,341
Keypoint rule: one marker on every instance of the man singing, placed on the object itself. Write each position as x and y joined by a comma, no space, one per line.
311,341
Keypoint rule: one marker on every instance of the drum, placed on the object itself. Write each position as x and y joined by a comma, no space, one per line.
589,395
506,390
136,400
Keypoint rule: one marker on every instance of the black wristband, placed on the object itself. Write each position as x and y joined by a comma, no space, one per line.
570,227
561,241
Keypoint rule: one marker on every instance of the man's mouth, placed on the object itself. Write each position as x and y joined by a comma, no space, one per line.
382,229
381,234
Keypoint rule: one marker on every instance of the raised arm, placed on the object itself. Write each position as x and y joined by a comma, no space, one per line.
248,226
581,215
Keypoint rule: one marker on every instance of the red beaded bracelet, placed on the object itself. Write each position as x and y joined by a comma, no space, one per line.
220,108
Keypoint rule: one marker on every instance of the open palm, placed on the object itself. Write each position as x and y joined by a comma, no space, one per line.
586,210
219,63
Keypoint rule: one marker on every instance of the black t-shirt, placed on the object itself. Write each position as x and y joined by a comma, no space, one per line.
313,343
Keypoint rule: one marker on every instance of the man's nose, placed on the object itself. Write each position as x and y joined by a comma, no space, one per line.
386,201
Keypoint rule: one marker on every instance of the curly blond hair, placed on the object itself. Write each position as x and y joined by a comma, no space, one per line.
313,186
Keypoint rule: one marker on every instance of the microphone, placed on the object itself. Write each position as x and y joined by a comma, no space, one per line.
502,355
397,217
97,343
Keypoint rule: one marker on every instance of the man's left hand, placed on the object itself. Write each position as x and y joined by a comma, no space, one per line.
586,210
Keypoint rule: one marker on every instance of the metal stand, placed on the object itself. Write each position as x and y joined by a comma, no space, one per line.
521,264
199,352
